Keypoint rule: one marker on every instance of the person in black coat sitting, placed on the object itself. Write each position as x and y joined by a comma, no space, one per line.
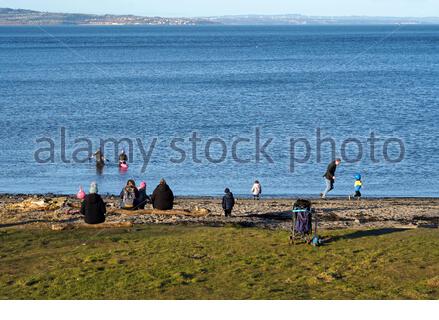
162,198
228,202
93,207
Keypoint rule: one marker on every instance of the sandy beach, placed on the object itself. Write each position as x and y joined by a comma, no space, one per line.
59,212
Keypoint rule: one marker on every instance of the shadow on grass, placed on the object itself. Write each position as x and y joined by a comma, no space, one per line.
288,215
365,233
282,215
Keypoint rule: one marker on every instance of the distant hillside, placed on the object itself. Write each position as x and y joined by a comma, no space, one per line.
297,19
28,17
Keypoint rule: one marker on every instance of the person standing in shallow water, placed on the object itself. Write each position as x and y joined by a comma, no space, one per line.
330,177
228,202
123,158
100,158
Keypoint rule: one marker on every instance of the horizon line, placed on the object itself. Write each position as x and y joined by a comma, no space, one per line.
234,15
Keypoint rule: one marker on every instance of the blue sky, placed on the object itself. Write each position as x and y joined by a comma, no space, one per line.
415,8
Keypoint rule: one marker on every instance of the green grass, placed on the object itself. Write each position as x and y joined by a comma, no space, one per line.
181,262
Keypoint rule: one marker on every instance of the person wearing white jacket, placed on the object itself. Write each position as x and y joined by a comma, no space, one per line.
256,190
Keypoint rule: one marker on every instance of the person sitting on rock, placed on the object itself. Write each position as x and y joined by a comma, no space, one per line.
93,207
162,198
143,197
129,196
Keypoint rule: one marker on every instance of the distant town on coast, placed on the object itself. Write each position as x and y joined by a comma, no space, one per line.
10,16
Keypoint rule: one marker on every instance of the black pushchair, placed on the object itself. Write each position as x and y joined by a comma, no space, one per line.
301,227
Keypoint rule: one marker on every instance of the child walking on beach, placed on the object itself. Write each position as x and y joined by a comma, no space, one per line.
228,202
357,186
256,190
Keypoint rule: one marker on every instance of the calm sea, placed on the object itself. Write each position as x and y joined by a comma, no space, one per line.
236,89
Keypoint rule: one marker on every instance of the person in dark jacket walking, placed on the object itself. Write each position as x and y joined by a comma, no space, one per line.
162,198
228,202
93,207
143,198
330,177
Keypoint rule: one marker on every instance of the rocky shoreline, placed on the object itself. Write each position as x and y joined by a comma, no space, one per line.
60,212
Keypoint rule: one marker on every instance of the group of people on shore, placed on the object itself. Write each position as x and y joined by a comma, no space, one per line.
131,198
228,201
134,198
330,180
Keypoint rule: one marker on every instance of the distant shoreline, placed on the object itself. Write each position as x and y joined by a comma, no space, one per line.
15,17
226,25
